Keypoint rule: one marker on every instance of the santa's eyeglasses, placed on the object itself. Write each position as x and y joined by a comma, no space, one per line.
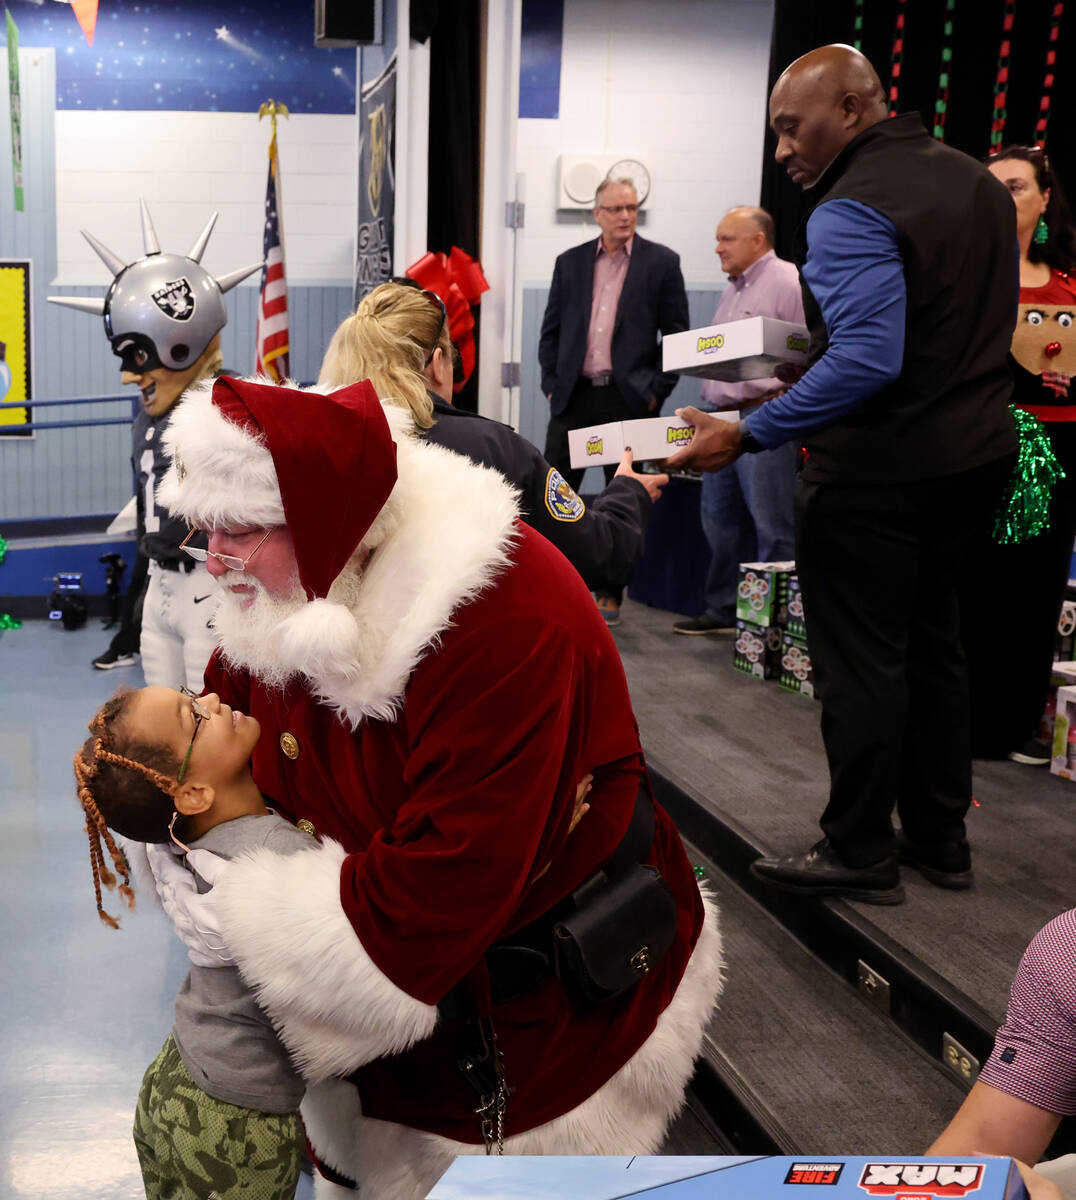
232,561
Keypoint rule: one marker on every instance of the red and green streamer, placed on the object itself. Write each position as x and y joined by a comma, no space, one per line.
1056,14
941,103
896,58
1001,83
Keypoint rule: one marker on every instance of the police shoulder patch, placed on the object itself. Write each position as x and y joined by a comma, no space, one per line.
562,502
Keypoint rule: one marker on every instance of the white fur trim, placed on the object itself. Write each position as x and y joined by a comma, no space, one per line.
629,1114
449,527
335,1010
223,474
332,1107
324,637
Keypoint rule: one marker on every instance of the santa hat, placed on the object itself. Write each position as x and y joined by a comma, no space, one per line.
245,452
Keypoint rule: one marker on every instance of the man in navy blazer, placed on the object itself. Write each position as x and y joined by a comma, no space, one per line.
599,350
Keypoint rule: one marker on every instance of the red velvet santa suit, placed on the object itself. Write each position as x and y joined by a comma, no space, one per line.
439,767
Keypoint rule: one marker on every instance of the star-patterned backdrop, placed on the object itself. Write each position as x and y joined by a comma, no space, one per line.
190,55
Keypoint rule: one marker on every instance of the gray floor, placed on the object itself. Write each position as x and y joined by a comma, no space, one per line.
84,1008
756,752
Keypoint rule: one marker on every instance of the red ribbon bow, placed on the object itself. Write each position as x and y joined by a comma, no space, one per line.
458,279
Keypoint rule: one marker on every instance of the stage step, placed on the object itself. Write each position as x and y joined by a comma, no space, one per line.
792,1053
925,1007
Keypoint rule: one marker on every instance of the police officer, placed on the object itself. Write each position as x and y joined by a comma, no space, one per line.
398,338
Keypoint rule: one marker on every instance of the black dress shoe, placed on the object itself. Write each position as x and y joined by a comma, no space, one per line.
820,872
947,864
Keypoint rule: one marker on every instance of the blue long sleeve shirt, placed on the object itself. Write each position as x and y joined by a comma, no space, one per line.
855,272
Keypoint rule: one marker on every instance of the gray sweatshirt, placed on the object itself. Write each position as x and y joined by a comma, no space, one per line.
226,1041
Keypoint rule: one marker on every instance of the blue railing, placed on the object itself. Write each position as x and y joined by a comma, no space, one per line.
31,426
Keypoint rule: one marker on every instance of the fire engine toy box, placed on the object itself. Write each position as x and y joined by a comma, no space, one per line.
648,437
762,592
797,674
1063,762
795,622
830,1177
748,349
758,650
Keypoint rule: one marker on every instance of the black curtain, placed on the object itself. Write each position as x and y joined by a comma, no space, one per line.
801,25
453,27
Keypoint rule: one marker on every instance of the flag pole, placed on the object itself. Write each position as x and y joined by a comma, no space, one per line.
272,349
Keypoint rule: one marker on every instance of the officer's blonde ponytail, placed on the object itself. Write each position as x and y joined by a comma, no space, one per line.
388,340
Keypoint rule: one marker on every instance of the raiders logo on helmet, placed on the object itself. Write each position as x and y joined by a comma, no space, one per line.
175,299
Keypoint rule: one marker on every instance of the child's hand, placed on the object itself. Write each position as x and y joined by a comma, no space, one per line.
193,916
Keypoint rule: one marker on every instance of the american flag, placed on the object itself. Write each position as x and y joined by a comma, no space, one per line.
272,348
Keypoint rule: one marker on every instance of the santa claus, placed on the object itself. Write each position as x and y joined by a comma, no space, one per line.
453,968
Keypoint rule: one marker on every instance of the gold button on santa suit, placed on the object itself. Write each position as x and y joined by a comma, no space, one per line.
306,826
289,743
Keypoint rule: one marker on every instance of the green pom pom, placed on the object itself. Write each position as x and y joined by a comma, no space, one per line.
700,873
7,622
1025,507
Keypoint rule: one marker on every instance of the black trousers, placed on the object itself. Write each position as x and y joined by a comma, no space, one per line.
1008,617
589,405
879,567
127,637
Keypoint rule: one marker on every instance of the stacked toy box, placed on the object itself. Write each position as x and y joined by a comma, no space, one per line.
797,674
761,616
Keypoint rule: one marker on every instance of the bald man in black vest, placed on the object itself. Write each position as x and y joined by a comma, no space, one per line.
908,262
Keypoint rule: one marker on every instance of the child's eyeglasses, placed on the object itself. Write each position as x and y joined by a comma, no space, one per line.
200,714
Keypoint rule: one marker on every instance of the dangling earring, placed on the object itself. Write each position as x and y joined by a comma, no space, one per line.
1042,232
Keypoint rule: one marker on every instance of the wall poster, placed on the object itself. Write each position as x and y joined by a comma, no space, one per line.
16,375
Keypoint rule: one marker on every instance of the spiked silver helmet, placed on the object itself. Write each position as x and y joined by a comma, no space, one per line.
161,310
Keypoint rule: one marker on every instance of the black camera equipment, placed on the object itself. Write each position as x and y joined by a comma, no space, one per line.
67,601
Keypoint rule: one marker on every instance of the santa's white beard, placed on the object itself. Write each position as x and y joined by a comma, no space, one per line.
261,636
247,632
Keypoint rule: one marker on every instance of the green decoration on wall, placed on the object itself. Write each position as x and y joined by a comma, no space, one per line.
16,108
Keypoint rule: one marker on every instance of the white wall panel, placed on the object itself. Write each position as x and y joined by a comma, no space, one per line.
683,82
186,164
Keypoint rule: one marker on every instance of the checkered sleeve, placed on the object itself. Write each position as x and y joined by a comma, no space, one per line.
1034,1055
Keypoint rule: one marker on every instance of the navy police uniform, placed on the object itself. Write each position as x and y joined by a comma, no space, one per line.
602,542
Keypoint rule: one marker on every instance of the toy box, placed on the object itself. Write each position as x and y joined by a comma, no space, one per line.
1063,762
1062,675
747,349
758,650
826,1177
649,438
762,593
797,674
795,622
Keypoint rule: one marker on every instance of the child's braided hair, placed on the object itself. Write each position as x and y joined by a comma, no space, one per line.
126,786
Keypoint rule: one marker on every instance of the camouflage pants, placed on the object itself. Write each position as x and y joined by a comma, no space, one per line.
192,1147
